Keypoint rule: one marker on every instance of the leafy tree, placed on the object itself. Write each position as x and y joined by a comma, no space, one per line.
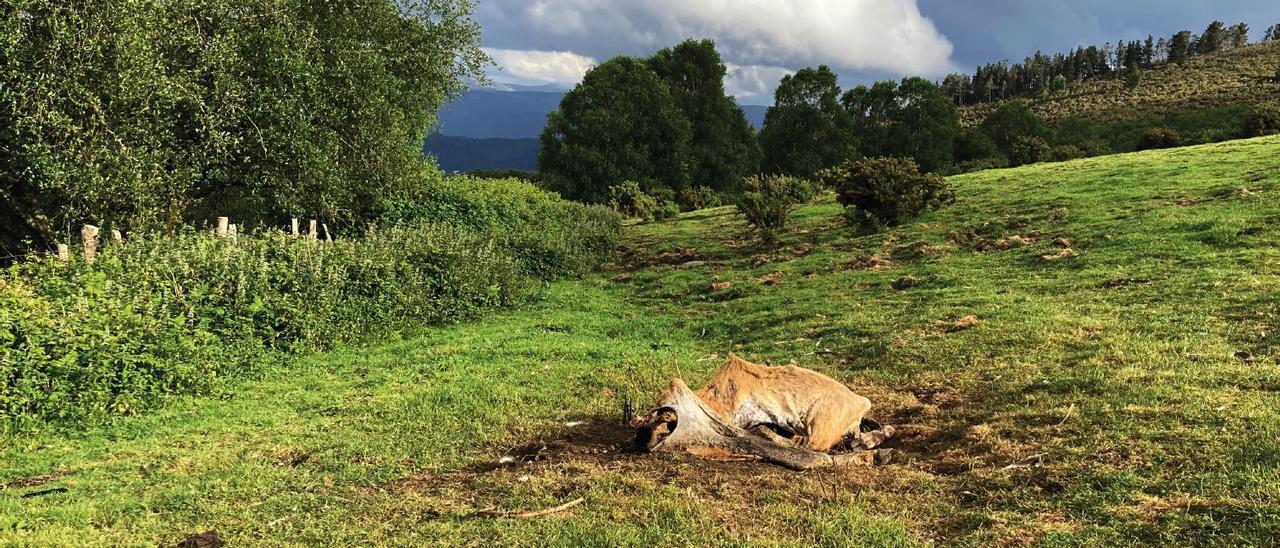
621,123
149,115
973,144
1077,130
1013,120
724,147
912,119
806,129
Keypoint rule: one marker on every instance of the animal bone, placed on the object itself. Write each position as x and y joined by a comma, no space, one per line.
744,406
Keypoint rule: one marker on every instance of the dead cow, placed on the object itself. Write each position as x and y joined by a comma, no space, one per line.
785,415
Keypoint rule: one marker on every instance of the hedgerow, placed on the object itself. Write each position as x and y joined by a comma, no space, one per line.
81,342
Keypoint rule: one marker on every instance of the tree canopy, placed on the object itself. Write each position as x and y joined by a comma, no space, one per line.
146,115
663,122
807,130
620,124
723,146
909,120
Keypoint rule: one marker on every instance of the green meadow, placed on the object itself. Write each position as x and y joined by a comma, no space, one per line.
1073,354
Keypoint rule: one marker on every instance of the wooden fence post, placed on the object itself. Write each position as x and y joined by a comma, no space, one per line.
327,237
294,222
116,237
311,229
64,253
231,232
221,231
89,235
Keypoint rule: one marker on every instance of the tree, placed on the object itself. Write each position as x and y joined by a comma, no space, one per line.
1180,47
724,147
912,120
1238,35
806,129
620,124
150,115
1012,121
1212,39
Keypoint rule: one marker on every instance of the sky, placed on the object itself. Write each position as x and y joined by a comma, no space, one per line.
556,41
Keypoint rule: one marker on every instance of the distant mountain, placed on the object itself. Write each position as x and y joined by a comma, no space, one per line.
755,115
490,113
469,154
498,127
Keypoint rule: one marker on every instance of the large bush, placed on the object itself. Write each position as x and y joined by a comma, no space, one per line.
1263,120
880,192
1160,137
767,200
149,115
1030,150
549,236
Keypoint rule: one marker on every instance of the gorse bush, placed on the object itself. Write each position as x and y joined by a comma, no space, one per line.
1264,120
767,200
1160,137
629,200
699,197
879,192
81,341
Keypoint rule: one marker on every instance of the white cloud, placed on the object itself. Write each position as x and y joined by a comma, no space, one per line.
890,36
562,67
753,82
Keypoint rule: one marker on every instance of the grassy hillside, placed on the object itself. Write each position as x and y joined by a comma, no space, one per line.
1244,76
1136,377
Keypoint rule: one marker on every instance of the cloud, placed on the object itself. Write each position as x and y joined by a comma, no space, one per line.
752,82
852,35
562,67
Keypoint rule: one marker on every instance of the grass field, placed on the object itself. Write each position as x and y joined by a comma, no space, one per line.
1136,375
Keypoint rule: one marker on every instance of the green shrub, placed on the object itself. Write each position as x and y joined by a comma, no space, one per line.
1160,137
80,342
981,164
879,192
662,194
699,197
628,200
1030,150
550,237
666,210
1062,153
767,200
1263,120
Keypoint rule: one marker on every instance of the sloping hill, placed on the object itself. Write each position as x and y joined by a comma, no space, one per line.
1244,76
1126,393
460,154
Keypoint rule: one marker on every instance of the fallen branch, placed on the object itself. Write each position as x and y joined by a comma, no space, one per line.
35,481
1034,461
492,511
